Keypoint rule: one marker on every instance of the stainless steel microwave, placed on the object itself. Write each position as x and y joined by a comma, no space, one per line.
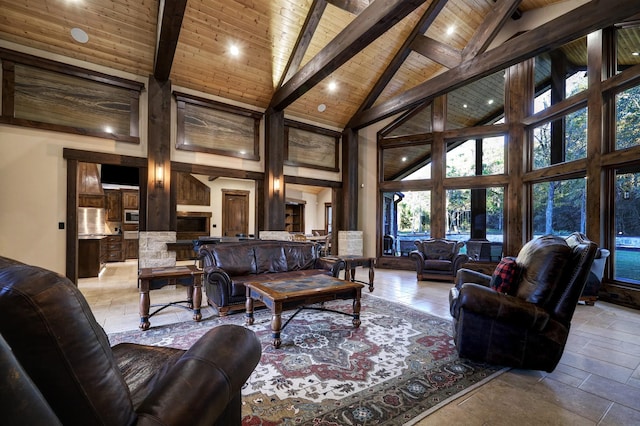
131,216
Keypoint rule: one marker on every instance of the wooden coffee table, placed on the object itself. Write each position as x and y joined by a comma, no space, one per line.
297,293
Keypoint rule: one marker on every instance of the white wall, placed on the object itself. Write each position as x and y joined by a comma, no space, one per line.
33,190
368,185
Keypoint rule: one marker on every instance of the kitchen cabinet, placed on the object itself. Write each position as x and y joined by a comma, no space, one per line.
91,200
114,248
91,256
130,199
131,249
114,205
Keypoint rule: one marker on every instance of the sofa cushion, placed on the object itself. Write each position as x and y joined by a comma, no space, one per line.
270,258
505,277
300,256
437,265
238,259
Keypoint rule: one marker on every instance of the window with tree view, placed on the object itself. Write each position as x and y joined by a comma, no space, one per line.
476,157
476,217
405,218
559,207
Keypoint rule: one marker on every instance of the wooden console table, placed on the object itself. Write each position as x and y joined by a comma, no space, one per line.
156,278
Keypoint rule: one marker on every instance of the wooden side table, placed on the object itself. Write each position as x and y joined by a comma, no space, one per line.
351,262
156,278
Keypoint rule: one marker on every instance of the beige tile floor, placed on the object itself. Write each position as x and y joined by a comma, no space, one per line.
596,383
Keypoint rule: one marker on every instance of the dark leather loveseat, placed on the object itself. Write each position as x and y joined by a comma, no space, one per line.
57,367
227,266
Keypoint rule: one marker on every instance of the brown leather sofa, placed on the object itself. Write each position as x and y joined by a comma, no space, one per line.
528,327
227,266
57,366
438,258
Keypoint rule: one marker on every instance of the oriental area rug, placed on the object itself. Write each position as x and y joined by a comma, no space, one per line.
395,369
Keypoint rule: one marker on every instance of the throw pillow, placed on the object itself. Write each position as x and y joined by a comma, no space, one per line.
505,277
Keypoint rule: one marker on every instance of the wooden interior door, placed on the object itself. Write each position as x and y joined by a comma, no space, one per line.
235,213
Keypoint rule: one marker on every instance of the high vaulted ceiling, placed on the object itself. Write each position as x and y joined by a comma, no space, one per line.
384,57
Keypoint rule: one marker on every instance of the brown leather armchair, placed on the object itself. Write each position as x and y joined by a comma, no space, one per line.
438,258
528,329
57,365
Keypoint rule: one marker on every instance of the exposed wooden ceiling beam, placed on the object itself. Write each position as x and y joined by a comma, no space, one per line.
489,28
365,28
421,27
352,6
170,13
304,38
574,24
437,51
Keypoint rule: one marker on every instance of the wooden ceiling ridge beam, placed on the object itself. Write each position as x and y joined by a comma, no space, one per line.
304,39
401,55
376,19
170,12
355,7
579,22
490,28
437,51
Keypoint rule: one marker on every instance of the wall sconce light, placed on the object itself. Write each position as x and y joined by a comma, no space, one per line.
159,176
276,185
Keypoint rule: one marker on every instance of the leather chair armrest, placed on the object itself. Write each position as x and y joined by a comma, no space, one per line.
214,275
417,255
207,377
333,264
470,276
459,260
500,307
21,402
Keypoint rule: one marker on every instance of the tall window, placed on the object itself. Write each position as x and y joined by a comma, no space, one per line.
405,218
628,118
559,207
627,225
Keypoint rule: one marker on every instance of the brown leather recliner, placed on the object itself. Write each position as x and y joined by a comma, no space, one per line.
438,258
57,365
528,329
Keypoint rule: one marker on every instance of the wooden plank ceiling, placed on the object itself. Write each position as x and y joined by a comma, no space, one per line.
289,50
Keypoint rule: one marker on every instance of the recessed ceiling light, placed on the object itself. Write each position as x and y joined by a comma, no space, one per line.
636,53
108,129
451,30
464,105
332,86
322,107
234,50
404,159
79,35
490,101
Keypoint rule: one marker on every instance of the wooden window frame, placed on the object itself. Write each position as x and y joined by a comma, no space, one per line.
183,99
289,124
10,58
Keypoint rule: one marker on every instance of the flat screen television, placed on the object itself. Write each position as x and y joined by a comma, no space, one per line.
119,175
